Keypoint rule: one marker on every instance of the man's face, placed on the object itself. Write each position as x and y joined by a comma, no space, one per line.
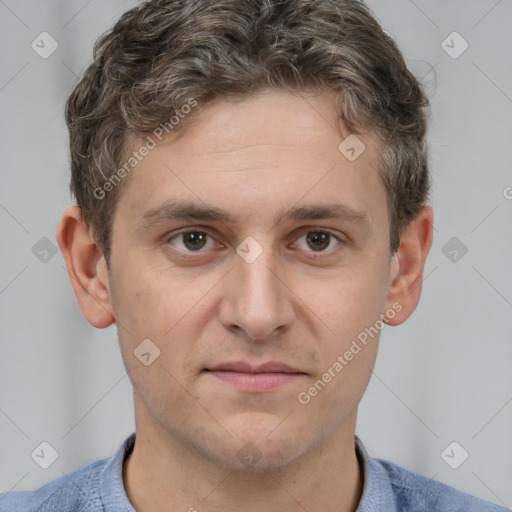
302,301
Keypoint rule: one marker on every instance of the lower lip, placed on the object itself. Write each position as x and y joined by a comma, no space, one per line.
256,381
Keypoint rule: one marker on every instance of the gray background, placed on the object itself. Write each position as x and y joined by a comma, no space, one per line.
443,376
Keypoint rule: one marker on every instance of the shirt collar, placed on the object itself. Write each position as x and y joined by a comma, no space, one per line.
113,493
377,490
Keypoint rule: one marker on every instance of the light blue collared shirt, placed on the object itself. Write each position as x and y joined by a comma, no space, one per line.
98,487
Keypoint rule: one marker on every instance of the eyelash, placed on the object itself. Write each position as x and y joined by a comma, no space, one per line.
340,241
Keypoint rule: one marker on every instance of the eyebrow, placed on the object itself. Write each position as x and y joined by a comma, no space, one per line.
187,210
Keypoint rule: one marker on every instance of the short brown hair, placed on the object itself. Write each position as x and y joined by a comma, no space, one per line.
164,53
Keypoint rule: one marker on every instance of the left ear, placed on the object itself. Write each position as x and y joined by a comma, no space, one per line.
407,264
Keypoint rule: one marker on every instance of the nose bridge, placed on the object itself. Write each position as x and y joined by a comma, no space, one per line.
257,301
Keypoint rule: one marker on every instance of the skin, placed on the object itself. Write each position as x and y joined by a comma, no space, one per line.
295,303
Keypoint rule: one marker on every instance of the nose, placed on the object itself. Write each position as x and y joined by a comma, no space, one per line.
256,297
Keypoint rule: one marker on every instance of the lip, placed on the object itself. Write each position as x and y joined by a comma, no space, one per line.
255,378
244,367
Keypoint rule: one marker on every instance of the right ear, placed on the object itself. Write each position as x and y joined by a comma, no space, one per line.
86,267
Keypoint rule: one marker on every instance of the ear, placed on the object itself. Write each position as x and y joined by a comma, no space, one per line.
86,267
407,264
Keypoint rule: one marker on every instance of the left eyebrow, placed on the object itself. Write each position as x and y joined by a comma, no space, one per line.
323,211
187,210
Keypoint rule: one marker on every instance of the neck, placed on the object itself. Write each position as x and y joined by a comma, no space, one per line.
164,474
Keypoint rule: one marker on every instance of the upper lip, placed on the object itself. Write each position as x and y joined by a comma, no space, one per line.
242,366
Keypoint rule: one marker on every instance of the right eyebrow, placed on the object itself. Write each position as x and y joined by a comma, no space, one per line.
176,210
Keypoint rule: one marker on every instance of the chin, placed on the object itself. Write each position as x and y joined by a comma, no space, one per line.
255,452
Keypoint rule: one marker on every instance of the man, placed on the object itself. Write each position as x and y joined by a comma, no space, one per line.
252,184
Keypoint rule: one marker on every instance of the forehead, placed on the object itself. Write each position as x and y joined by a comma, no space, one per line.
257,156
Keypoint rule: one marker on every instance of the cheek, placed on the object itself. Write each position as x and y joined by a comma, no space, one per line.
349,309
161,390
348,348
148,299
165,307
348,302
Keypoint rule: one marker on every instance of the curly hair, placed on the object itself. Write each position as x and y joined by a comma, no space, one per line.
164,53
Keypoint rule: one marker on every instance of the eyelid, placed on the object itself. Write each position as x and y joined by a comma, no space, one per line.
190,229
318,229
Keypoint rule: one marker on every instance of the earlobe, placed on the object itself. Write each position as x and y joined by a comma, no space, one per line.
406,271
86,267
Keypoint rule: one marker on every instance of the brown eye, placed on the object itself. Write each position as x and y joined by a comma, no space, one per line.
318,241
191,241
